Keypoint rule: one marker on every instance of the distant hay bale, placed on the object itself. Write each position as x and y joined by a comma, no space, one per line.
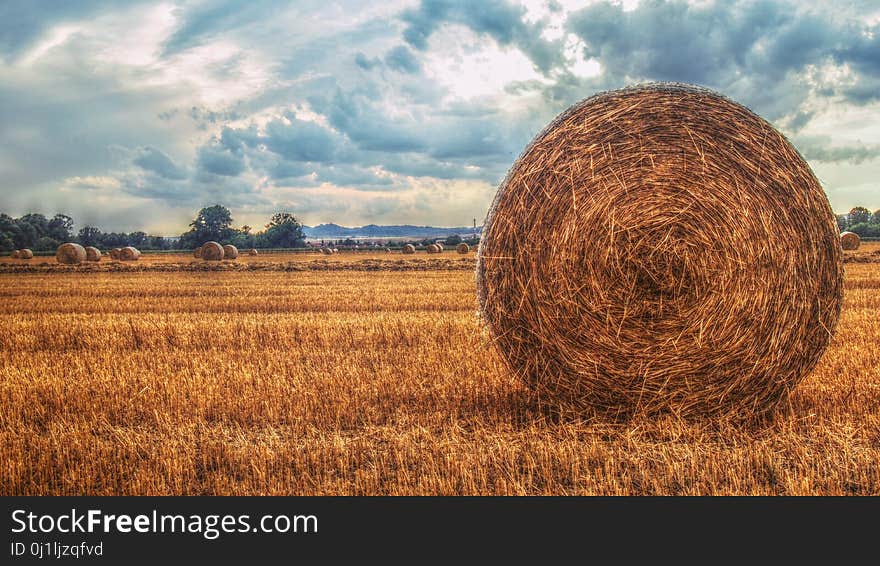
850,241
326,251
627,264
252,251
408,249
462,248
129,253
114,253
70,254
15,254
432,249
439,246
197,253
92,253
336,250
212,251
25,253
230,252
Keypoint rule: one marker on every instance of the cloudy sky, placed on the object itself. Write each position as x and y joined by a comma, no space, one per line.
134,115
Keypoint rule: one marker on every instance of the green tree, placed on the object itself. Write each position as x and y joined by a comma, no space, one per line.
60,228
877,216
859,215
46,244
842,222
452,240
211,223
284,231
89,236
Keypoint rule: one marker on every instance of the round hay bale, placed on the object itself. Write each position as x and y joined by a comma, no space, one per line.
212,251
252,251
15,254
850,241
660,248
408,249
432,249
197,253
230,252
326,251
129,253
93,254
439,246
336,250
70,254
462,248
25,253
114,253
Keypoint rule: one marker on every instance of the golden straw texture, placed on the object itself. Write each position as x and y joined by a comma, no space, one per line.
462,248
230,252
212,251
25,253
660,248
129,253
850,241
408,249
93,254
70,254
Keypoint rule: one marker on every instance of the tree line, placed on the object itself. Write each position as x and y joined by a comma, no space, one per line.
861,221
40,233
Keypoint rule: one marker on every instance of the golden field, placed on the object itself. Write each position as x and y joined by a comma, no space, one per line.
368,380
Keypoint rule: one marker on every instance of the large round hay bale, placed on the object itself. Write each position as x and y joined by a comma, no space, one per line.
230,252
660,248
25,253
850,241
408,249
197,253
70,254
253,252
129,253
432,249
93,253
212,251
15,254
114,253
462,248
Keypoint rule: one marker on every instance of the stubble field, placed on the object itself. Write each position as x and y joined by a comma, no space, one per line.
363,378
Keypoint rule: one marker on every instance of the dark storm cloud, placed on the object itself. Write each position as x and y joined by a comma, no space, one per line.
503,21
220,161
23,22
758,53
820,148
298,140
402,59
156,161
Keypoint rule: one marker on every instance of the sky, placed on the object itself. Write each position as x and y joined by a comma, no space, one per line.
132,116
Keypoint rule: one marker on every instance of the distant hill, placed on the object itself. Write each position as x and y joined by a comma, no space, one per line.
335,231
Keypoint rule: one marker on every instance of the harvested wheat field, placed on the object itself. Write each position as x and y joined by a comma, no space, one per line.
367,380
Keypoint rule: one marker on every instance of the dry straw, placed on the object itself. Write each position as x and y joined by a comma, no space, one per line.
230,252
408,249
15,254
197,253
25,253
252,251
70,254
93,254
660,248
212,251
432,249
326,251
462,248
439,246
850,241
114,253
129,253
